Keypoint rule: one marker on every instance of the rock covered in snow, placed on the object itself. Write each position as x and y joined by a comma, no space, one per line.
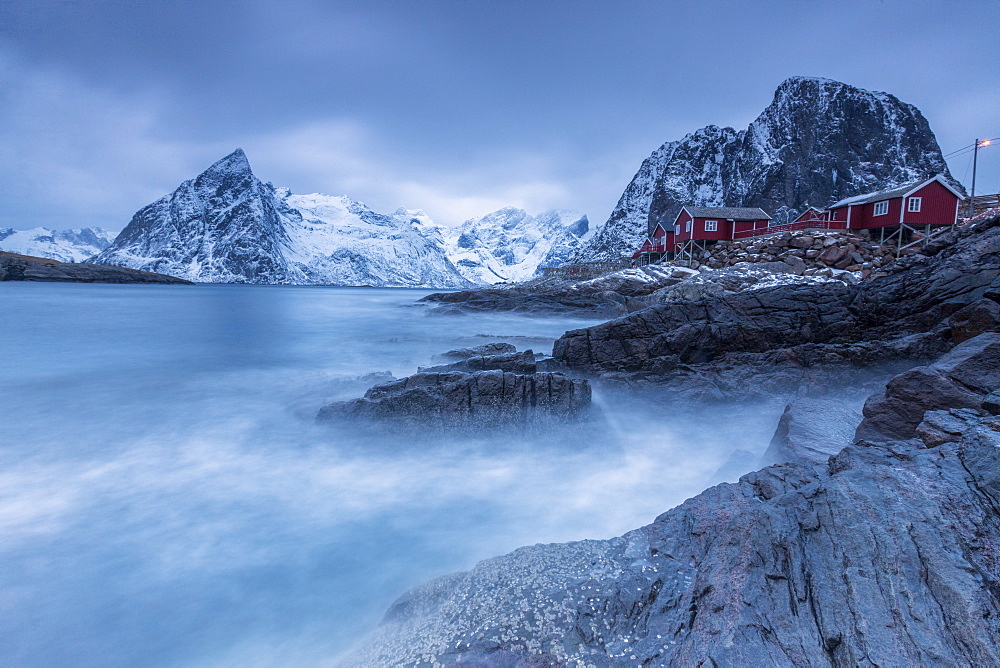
226,226
509,245
818,141
62,245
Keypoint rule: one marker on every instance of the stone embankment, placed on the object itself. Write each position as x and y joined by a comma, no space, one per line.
809,253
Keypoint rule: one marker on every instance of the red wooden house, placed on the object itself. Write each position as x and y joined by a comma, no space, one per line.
922,204
696,227
812,215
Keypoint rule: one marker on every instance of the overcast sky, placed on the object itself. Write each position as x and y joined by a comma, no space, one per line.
457,108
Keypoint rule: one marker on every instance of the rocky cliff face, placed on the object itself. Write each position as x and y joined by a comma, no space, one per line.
818,141
226,226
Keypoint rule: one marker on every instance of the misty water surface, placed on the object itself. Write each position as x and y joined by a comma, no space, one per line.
166,497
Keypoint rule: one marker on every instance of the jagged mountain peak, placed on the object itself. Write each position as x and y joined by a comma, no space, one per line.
236,161
226,226
819,140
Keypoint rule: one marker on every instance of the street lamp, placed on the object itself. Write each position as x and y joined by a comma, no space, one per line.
975,157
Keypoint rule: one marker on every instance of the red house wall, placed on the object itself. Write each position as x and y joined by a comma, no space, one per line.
744,225
937,207
863,216
723,230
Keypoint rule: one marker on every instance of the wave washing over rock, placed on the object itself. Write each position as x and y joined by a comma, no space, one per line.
818,141
227,226
62,245
878,556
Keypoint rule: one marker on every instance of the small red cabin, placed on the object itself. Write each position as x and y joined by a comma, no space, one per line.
811,215
714,223
930,202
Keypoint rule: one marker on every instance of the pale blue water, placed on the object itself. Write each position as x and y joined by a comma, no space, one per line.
166,497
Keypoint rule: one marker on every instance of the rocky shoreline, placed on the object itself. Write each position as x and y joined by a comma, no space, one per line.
869,539
14,267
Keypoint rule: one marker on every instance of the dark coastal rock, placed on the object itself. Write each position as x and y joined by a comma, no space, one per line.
961,379
974,319
812,431
884,556
677,341
15,267
700,331
478,400
523,362
605,304
940,427
498,348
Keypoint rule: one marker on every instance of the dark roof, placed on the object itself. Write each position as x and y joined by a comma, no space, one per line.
891,193
728,212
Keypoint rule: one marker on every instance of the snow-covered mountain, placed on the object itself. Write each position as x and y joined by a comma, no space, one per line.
226,226
818,141
63,245
510,245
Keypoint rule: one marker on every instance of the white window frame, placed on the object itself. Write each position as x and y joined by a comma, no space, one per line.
881,208
711,226
687,226
913,205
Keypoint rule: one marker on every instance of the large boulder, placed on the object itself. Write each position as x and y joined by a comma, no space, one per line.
498,348
523,362
812,431
487,399
700,331
961,379
975,319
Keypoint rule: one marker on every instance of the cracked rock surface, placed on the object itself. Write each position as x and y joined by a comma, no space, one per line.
915,313
882,555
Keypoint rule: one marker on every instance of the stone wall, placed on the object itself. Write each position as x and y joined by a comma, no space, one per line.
810,252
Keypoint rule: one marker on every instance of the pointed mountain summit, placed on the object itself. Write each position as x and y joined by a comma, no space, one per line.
226,226
222,227
818,141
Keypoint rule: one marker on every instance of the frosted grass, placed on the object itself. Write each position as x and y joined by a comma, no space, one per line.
166,497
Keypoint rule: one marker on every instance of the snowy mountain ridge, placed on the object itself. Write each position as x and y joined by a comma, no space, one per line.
509,245
818,141
226,226
63,245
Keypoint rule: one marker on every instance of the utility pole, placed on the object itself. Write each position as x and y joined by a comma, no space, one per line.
975,159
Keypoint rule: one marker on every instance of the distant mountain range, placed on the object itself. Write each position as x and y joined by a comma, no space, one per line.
508,245
817,142
64,245
227,226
